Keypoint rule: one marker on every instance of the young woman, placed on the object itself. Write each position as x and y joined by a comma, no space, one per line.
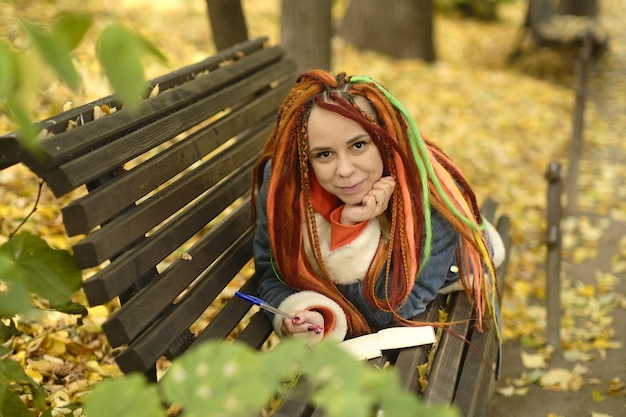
360,221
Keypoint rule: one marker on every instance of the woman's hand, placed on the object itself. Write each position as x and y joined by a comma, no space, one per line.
305,324
373,204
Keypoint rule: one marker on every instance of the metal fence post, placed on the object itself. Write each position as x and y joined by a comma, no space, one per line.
581,72
553,258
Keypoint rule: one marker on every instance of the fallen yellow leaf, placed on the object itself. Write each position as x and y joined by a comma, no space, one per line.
561,380
533,360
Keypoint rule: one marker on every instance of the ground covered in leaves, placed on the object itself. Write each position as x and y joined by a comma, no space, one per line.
503,124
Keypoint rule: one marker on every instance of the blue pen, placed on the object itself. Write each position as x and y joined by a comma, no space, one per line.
267,306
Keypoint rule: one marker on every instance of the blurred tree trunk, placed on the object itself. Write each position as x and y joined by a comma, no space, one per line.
306,32
228,24
579,7
400,29
538,11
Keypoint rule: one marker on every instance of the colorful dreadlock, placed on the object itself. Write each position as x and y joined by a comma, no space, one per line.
429,178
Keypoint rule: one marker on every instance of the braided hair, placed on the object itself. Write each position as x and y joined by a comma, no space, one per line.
425,177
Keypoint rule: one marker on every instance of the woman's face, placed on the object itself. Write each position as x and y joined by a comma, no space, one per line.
345,160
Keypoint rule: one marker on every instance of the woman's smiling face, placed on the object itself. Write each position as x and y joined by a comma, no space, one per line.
343,156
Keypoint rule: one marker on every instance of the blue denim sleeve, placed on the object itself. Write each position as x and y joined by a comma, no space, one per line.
440,268
270,288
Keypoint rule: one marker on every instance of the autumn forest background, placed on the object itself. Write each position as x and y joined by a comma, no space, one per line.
502,122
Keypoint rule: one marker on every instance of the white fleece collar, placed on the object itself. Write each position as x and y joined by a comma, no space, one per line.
349,263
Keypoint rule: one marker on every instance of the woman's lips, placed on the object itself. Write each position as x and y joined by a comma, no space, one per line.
352,189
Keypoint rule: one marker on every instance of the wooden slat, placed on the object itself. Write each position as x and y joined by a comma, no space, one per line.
318,412
257,331
189,72
476,375
99,205
410,358
503,226
141,355
488,210
186,108
118,276
230,315
137,314
10,152
476,381
442,381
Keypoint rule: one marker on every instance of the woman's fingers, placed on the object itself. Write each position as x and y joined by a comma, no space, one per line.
305,322
380,194
373,204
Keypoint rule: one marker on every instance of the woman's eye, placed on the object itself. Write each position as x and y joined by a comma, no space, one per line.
323,155
359,145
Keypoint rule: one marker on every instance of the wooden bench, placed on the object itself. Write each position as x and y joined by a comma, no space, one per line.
167,222
543,27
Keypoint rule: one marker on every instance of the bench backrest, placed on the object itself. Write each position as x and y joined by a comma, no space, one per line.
166,219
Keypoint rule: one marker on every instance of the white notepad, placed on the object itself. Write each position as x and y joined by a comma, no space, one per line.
371,345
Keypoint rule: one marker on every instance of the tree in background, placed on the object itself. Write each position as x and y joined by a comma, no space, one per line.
228,24
404,30
306,32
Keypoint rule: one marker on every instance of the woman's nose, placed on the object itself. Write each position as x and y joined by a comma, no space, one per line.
345,166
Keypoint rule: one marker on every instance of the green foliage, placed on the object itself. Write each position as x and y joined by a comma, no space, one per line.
29,265
129,396
14,91
119,51
55,45
12,373
232,380
8,69
13,406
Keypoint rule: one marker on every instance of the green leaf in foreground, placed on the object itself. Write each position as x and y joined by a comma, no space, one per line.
55,52
8,70
12,371
220,379
13,406
130,396
28,261
119,52
17,91
70,28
